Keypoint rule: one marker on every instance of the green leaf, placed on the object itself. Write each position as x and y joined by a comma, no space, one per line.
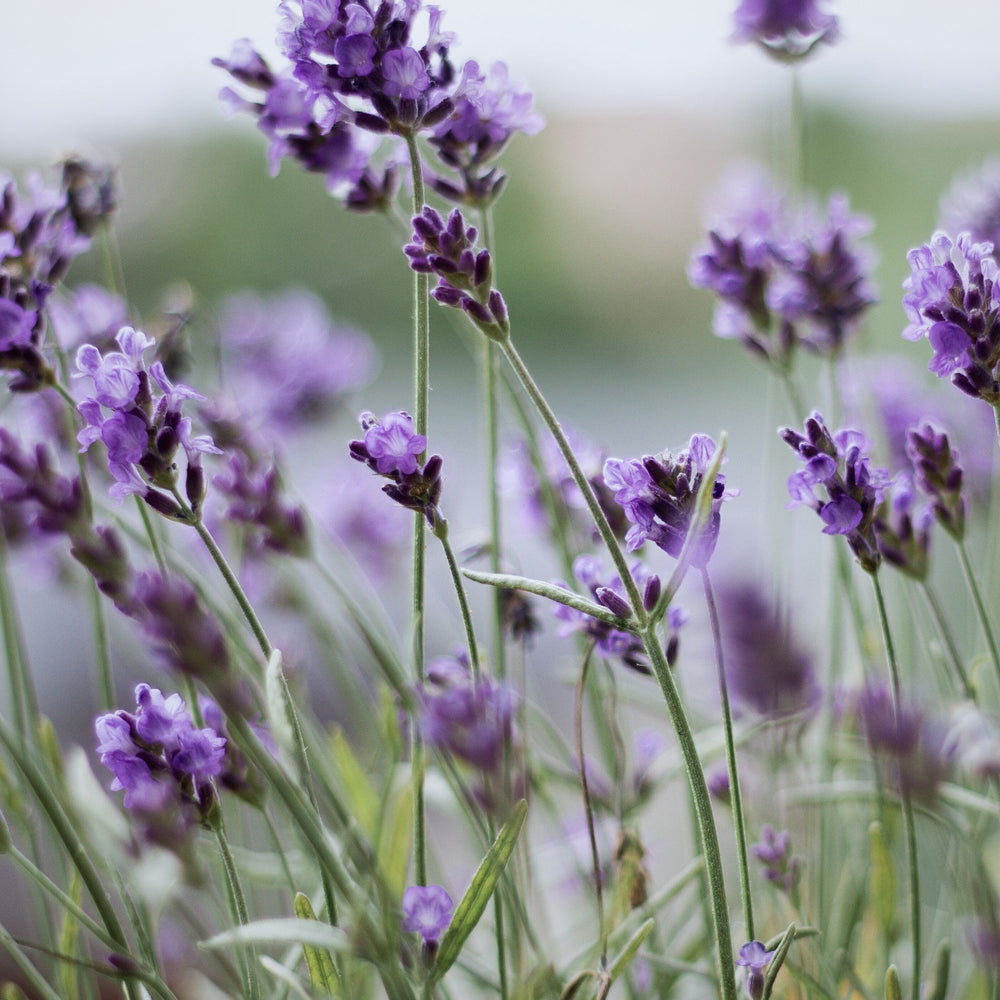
937,987
470,909
882,885
774,967
396,837
631,947
285,975
362,799
281,930
322,971
893,991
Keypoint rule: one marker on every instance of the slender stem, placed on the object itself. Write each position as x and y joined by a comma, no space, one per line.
238,901
441,531
948,639
909,828
421,370
582,483
794,399
21,696
796,134
228,575
602,927
703,810
977,597
154,541
735,795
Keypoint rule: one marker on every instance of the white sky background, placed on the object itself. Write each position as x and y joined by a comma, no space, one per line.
81,74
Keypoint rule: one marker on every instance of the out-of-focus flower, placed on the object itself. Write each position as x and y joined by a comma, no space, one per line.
767,668
786,29
972,204
774,851
938,473
427,911
903,529
754,959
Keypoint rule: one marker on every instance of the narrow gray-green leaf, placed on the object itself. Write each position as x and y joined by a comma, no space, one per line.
937,985
558,594
470,909
893,991
322,972
281,930
776,963
285,975
631,947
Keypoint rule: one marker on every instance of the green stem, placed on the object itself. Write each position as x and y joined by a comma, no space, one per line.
582,483
909,828
977,597
421,375
227,574
78,855
796,135
441,532
948,639
154,541
735,795
602,927
21,691
248,961
703,810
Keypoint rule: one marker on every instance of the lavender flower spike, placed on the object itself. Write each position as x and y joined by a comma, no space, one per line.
658,494
953,298
839,483
939,476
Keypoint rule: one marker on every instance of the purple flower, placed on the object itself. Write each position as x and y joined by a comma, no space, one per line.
612,642
786,29
146,427
912,750
427,911
448,250
839,483
953,298
903,529
767,668
289,358
774,851
163,764
404,74
391,447
938,473
754,959
658,493
468,718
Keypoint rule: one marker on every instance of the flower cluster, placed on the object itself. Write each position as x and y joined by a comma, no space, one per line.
912,750
953,298
469,718
903,529
145,427
658,494
391,447
611,642
448,250
162,762
783,277
286,355
839,483
939,475
774,852
767,669
786,29
39,238
357,70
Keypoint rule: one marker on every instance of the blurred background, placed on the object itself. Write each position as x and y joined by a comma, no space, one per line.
646,103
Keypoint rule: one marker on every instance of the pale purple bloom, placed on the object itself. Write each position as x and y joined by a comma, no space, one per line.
902,528
754,959
774,852
89,314
788,29
393,443
427,911
953,298
404,74
973,742
468,718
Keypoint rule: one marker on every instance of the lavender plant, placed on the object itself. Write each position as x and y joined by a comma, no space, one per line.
417,848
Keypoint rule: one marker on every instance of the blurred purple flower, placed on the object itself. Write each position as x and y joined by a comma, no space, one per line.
774,852
972,204
786,29
427,911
